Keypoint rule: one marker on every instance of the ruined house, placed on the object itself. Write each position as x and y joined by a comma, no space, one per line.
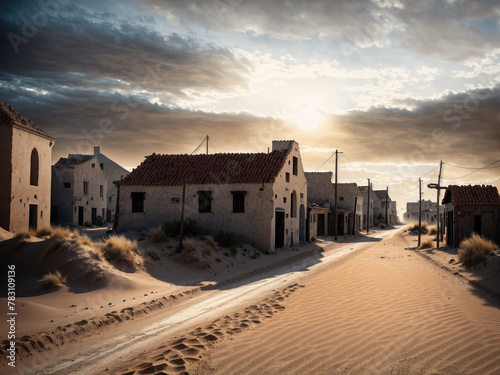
78,191
351,201
320,204
261,197
25,159
471,209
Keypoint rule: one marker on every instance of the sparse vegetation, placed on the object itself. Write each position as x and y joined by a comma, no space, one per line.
45,231
227,238
153,254
98,253
51,280
64,233
121,250
157,235
211,242
207,252
473,250
433,230
22,235
85,240
189,246
172,228
426,244
58,245
414,227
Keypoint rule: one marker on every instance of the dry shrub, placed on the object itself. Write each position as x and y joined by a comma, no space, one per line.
414,227
121,250
45,231
207,252
157,235
153,254
22,235
189,246
85,240
51,280
426,244
211,242
98,254
58,245
64,233
473,250
433,230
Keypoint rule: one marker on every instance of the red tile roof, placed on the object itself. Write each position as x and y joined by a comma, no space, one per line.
477,195
171,170
9,116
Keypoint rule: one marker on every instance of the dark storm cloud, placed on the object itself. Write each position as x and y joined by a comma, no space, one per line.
448,30
76,50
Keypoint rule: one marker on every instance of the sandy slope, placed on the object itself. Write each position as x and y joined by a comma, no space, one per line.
386,311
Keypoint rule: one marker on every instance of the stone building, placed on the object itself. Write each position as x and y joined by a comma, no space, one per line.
380,212
429,212
351,201
25,159
79,189
261,197
471,209
369,213
113,172
320,204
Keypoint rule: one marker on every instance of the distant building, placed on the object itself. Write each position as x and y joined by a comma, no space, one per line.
351,202
471,209
380,212
429,212
261,197
320,204
79,189
368,212
25,159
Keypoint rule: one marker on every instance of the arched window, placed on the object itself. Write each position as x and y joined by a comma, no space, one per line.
293,204
34,168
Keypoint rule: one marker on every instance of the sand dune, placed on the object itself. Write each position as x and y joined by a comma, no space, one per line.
386,311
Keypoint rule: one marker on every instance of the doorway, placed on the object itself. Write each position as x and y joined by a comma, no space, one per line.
33,216
80,215
279,237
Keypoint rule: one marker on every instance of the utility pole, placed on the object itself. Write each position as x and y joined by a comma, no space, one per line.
207,143
419,209
181,234
336,190
438,188
355,210
368,210
386,205
438,191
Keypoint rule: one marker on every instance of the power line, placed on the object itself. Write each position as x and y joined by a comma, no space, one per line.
197,148
331,156
477,170
459,166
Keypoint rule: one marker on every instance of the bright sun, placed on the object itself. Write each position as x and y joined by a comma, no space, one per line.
306,116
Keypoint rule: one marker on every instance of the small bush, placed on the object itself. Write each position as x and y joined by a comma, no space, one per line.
121,250
426,244
233,250
227,238
172,228
414,227
189,246
157,235
433,230
153,254
45,231
85,240
51,280
22,235
99,254
211,242
207,252
58,245
64,233
473,250
382,226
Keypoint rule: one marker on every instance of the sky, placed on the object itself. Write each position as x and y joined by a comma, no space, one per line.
396,86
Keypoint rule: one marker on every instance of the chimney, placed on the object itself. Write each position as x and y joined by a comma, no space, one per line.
97,150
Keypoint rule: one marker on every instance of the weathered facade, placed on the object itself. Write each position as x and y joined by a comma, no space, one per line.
351,201
386,205
368,212
113,172
320,203
471,209
429,212
25,159
78,190
261,197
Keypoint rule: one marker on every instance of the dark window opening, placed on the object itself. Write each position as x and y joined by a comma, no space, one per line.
287,177
204,201
101,165
34,168
101,191
67,185
341,198
138,202
238,202
295,166
93,165
85,187
293,204
284,199
109,199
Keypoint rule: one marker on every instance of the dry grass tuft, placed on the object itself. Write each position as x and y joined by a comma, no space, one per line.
473,250
153,254
85,240
98,254
22,235
157,235
121,250
414,227
211,242
64,233
189,246
42,232
426,244
433,230
51,280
